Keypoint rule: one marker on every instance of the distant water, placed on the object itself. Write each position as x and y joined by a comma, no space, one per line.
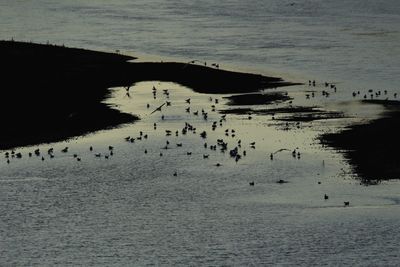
349,41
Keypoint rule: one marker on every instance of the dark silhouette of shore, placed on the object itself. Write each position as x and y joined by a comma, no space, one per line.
289,113
51,93
258,99
372,149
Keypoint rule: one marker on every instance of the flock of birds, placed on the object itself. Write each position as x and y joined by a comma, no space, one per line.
235,148
229,143
367,94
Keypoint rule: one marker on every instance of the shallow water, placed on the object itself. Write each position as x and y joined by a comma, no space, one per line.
131,210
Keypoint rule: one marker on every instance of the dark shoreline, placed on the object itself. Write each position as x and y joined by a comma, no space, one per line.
372,149
51,93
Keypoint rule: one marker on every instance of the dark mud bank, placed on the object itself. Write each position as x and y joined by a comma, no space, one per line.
372,149
50,93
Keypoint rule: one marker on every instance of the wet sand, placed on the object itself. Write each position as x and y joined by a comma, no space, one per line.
372,149
52,93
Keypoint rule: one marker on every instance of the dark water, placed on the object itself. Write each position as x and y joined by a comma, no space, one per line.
352,42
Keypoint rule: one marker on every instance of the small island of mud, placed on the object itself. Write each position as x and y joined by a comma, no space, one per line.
289,113
257,99
372,149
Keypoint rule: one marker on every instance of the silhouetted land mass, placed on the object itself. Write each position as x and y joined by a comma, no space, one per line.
289,113
257,99
50,93
372,149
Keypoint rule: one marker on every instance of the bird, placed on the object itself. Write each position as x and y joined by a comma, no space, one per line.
346,203
158,109
251,183
326,197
